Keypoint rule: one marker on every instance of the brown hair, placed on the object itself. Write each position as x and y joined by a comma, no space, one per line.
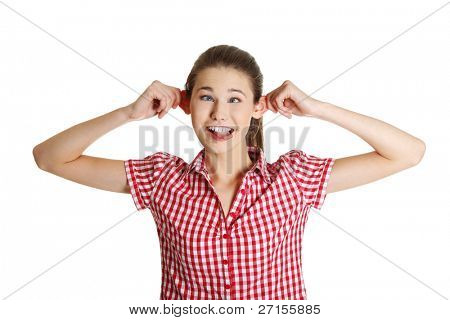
231,56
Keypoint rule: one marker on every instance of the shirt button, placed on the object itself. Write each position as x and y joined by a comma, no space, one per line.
227,286
225,261
243,191
233,214
225,236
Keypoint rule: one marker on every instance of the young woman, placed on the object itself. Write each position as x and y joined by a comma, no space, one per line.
230,224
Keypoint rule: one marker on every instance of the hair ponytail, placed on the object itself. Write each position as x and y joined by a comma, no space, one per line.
255,134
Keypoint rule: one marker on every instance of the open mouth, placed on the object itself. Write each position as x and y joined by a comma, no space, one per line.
220,132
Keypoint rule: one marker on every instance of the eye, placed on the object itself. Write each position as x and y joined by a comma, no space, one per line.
201,98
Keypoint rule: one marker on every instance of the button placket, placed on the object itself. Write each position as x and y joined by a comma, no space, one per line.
230,285
226,264
237,207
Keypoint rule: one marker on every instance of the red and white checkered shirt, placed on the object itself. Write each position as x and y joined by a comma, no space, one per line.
252,253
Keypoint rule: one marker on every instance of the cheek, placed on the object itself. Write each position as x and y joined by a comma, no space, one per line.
198,111
242,118
198,117
198,120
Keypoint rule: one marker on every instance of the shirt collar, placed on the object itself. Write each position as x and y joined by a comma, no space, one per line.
260,164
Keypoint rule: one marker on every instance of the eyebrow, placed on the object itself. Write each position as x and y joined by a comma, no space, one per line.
229,90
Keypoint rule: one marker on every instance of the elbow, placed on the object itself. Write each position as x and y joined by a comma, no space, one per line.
38,156
419,152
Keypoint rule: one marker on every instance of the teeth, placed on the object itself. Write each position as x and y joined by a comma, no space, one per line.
220,129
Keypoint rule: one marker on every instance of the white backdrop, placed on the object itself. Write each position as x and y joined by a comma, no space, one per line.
376,250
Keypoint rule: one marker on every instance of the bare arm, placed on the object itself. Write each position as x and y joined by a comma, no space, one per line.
62,153
395,150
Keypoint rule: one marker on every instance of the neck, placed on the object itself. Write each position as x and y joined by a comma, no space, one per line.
230,166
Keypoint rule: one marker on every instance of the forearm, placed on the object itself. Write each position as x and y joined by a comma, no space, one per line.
387,140
69,144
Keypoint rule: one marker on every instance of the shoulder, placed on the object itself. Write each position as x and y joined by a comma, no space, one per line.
163,160
301,162
161,156
296,155
155,163
291,157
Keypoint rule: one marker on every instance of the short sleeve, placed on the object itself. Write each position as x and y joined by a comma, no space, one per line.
312,174
142,176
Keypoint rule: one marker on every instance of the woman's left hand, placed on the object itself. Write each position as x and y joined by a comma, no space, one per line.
288,100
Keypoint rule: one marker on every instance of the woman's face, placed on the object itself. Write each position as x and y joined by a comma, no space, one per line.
221,108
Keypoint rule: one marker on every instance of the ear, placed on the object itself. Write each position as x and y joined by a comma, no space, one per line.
185,103
260,108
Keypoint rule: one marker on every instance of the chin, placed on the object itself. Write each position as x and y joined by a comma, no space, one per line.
218,147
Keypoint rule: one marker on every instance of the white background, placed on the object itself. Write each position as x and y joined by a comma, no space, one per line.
45,87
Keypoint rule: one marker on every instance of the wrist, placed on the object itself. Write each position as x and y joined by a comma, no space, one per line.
126,112
319,109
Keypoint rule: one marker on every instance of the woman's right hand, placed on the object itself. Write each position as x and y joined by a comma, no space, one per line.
158,98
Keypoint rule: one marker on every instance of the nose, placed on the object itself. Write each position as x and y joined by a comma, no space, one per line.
219,112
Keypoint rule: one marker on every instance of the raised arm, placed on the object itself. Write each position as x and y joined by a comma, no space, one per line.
62,154
394,149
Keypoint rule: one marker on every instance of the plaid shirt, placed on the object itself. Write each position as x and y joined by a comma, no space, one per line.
252,253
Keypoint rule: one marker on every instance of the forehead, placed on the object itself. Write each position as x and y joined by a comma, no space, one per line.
220,79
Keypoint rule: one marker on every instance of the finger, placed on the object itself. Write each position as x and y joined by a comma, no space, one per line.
280,103
290,115
270,107
275,104
177,98
273,109
183,101
168,106
156,101
158,93
153,100
162,114
273,97
172,99
162,97
170,103
269,102
284,108
163,103
265,102
148,95
169,94
287,114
